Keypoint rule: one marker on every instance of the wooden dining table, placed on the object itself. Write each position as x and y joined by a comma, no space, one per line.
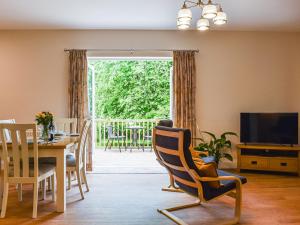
57,150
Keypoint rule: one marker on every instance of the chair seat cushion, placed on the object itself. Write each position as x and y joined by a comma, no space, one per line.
227,185
43,169
43,160
48,160
71,160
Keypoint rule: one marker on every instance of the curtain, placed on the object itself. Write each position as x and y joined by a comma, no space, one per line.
78,94
184,76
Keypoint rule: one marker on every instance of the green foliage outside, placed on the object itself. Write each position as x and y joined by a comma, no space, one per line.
131,89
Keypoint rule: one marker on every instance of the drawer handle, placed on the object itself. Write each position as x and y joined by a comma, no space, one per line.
283,164
254,162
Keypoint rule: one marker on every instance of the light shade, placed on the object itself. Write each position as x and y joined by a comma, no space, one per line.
184,15
203,24
183,25
220,19
209,11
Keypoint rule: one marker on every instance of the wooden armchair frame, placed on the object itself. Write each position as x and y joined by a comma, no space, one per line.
234,193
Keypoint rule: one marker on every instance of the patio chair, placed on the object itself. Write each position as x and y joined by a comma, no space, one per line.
147,137
114,136
171,146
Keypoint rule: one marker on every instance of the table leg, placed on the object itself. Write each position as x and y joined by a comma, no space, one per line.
1,183
61,181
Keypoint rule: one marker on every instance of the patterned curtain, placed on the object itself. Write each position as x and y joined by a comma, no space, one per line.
184,76
78,94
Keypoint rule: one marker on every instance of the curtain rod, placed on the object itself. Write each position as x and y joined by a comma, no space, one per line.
134,50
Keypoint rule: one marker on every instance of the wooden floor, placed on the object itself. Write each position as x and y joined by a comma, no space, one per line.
132,199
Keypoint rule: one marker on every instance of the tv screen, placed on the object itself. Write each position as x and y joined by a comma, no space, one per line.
269,128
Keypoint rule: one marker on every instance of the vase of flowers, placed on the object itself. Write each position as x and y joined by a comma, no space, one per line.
46,120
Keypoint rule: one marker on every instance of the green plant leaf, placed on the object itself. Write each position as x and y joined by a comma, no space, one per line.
210,134
228,156
228,144
228,134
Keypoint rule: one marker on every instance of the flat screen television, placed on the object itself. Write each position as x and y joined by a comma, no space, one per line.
269,128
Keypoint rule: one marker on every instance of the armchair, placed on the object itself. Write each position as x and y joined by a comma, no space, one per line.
171,146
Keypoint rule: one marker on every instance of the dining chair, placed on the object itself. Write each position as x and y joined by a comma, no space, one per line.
21,171
41,160
66,125
8,138
77,162
10,121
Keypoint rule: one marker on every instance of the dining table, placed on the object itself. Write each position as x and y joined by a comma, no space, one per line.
56,149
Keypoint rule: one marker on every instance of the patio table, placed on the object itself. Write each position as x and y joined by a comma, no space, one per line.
134,135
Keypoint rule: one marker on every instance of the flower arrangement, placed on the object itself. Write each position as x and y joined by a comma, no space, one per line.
46,120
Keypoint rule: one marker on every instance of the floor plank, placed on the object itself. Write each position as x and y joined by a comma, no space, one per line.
132,199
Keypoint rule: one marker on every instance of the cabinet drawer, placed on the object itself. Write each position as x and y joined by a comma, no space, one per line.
248,162
284,164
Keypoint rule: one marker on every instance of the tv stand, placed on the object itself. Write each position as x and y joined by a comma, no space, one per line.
268,158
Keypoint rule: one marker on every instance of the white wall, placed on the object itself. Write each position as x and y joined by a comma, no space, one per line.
236,71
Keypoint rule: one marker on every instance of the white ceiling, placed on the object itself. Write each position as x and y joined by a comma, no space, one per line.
277,15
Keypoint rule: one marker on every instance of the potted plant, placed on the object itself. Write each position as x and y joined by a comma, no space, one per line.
217,147
45,119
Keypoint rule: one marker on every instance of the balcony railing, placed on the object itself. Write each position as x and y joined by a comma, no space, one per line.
121,127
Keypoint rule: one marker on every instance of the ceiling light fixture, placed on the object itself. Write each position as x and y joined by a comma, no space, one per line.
210,11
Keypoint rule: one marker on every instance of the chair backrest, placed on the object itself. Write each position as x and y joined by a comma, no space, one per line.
171,146
19,153
7,135
110,131
81,152
66,125
165,123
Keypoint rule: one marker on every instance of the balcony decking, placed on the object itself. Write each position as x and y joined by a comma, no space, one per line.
113,161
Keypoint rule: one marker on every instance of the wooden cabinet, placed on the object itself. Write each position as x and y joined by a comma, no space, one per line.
269,158
251,162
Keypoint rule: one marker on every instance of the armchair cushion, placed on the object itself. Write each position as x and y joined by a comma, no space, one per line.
227,185
208,170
